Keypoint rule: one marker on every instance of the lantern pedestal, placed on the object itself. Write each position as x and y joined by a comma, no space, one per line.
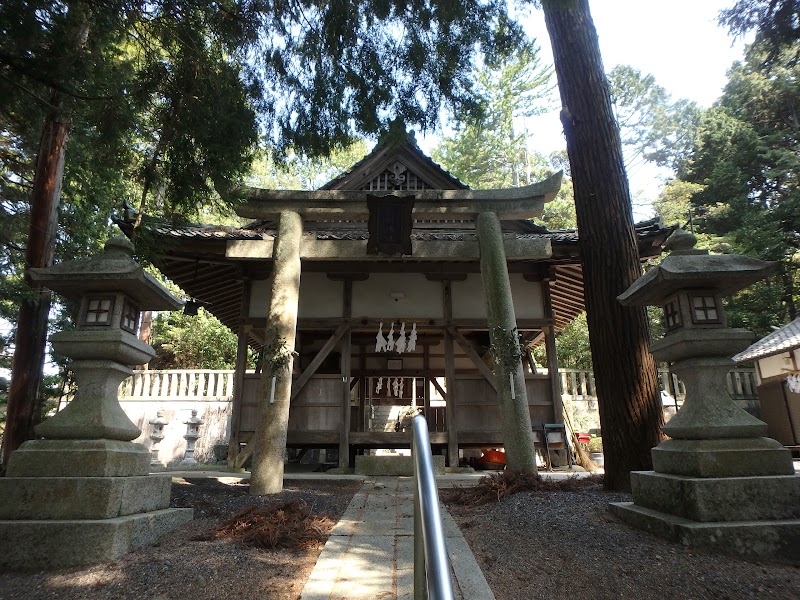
83,494
718,483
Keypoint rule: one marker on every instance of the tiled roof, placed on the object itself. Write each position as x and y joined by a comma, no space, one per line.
258,230
782,340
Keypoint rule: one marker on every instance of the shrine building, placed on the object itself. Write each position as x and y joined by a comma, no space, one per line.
389,311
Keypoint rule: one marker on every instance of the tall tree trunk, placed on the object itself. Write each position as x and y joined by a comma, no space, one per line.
24,407
627,389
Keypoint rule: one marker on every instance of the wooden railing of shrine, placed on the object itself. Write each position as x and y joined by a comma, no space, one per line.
742,384
217,385
178,384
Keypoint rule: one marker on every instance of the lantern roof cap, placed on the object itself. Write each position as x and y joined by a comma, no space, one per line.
111,271
687,268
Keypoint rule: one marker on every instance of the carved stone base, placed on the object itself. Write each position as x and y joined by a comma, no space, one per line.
78,458
738,457
777,540
55,544
76,502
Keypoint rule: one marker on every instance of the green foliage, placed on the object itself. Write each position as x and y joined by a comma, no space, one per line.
276,355
755,308
164,98
192,342
774,21
335,68
746,162
489,151
505,347
674,203
572,346
652,126
559,213
297,172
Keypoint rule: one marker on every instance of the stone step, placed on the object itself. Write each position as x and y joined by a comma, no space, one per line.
70,498
720,498
774,540
66,543
390,466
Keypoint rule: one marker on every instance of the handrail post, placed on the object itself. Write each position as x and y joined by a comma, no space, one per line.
431,564
420,584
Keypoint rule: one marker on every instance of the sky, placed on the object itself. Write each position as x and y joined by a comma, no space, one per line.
678,42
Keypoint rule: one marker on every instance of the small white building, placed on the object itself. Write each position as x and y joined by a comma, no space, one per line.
777,362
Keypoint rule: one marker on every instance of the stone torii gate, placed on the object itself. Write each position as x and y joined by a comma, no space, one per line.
289,250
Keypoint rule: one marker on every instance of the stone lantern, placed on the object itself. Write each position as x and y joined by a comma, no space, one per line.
718,481
83,494
157,434
192,433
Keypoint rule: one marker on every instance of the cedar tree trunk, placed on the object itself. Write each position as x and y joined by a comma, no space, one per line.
24,409
627,388
24,406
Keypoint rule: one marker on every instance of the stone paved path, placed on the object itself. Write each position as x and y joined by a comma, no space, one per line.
370,556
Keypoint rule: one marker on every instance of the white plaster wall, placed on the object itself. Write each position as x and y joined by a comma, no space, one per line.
320,297
259,298
172,449
775,366
469,301
527,297
373,298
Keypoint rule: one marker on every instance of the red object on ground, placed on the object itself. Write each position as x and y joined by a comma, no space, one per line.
494,456
584,438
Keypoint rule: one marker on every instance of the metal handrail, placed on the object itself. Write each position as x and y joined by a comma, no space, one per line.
431,565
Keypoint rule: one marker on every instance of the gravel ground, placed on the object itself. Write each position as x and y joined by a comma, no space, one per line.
567,545
530,546
181,567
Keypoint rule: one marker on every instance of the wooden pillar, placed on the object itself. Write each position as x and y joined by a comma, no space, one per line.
552,356
238,377
273,417
515,415
346,348
426,369
450,378
363,386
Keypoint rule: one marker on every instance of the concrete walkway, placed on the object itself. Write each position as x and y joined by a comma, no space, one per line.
370,553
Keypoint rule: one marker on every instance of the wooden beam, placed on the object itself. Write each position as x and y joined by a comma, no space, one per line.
391,439
565,301
450,376
438,387
344,431
424,250
482,367
552,361
426,366
454,267
363,388
245,453
242,347
446,276
301,381
372,322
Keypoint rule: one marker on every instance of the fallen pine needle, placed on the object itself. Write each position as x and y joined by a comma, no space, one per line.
289,525
497,486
